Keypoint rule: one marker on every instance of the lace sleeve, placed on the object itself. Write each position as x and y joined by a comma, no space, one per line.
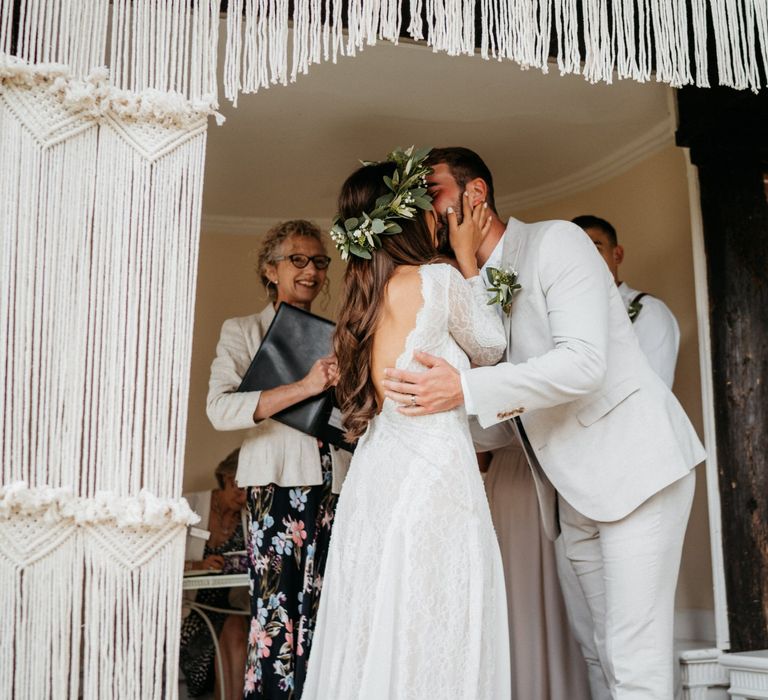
474,325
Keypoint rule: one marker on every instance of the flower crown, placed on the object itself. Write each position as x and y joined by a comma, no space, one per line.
360,236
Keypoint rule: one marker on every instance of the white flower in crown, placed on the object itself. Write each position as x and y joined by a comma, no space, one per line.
361,235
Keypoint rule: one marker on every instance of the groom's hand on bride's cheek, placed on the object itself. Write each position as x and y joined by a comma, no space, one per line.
419,393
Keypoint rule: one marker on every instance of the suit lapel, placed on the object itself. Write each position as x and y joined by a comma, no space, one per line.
511,257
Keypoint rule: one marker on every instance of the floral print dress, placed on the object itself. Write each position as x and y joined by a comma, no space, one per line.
290,530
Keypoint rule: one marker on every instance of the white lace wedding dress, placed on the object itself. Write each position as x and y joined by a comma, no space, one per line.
413,602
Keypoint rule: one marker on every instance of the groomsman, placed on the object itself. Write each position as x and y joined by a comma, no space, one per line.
654,324
611,450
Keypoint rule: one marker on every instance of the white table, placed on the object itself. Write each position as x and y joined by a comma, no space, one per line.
196,583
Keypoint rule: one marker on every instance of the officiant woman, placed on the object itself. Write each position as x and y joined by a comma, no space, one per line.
292,479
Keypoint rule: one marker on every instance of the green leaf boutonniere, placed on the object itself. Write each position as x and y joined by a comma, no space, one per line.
503,287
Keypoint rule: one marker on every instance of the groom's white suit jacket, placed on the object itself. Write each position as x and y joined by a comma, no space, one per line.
607,432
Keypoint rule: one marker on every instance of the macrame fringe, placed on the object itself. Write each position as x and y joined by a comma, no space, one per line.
102,194
166,45
132,603
101,575
169,45
41,585
625,39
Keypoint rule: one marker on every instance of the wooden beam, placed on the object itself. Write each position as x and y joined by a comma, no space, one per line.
725,131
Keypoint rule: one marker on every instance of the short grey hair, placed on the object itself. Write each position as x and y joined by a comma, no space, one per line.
270,246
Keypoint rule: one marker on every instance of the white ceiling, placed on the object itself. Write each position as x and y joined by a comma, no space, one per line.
285,151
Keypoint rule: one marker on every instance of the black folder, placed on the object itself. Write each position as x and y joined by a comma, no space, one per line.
294,341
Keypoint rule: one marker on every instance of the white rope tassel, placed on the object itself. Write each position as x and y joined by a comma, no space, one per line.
566,28
132,602
597,59
541,56
123,558
46,194
355,35
234,51
751,27
69,32
699,28
40,609
761,20
146,246
301,40
167,45
415,26
670,30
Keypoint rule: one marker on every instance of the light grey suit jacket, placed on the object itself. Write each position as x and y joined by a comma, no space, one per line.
606,431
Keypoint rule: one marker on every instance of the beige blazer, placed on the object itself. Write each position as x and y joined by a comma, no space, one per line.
607,432
271,453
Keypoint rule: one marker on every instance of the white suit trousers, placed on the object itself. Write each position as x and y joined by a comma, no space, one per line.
627,571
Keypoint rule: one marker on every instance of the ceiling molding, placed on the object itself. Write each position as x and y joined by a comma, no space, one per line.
660,136
657,138
223,224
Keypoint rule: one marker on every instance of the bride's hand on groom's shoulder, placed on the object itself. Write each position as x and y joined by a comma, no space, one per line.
419,393
467,236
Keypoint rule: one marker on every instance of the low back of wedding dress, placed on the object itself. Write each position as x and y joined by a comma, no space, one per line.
413,602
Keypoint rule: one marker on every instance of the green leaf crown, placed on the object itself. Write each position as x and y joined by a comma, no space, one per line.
361,235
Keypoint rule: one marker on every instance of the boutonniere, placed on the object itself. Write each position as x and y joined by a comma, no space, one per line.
634,309
504,284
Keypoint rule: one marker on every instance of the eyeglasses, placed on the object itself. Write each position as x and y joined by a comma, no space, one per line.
301,261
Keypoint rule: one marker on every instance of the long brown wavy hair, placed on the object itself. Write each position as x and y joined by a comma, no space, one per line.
365,282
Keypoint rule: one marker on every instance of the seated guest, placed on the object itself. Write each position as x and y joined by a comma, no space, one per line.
221,514
292,479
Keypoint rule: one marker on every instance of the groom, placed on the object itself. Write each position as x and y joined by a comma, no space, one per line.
587,401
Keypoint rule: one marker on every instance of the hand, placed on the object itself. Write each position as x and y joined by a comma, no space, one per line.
466,237
419,393
213,562
324,373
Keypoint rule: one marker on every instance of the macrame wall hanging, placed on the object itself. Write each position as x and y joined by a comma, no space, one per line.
104,108
101,173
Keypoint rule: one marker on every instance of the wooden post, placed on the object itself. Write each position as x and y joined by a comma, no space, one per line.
726,132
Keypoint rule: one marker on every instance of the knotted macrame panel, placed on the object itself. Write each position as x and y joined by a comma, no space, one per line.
100,225
101,173
90,594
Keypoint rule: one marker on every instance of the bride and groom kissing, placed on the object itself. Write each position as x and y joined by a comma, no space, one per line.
414,601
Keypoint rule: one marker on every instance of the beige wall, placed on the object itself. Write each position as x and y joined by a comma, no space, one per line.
649,207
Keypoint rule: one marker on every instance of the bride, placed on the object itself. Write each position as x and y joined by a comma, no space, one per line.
413,601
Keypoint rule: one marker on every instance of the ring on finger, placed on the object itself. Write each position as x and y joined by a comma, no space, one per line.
413,399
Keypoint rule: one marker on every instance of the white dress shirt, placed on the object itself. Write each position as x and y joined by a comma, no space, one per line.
657,331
